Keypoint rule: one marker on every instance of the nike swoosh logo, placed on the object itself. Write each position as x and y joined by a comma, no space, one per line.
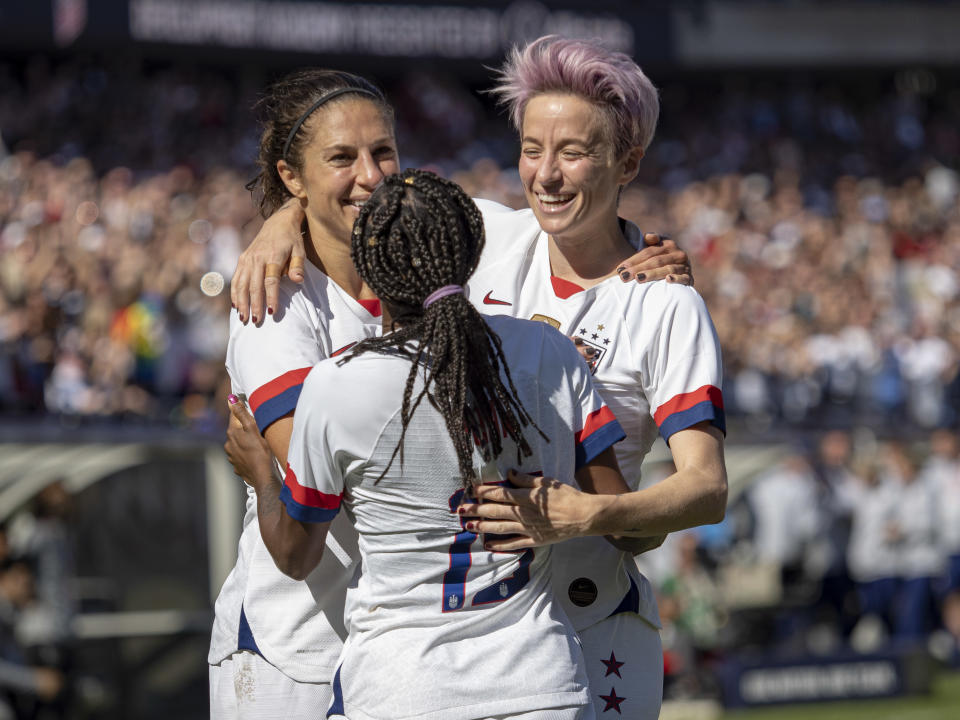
487,300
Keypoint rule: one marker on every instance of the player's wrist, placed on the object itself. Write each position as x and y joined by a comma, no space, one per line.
265,478
602,514
292,214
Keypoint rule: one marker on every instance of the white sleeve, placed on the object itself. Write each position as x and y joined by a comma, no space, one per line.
313,487
269,363
681,366
594,425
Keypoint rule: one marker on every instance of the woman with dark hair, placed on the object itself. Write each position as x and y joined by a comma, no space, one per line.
397,431
327,142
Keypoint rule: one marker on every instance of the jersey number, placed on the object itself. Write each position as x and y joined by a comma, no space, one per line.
455,578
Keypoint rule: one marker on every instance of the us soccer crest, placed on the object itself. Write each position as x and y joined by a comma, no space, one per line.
593,336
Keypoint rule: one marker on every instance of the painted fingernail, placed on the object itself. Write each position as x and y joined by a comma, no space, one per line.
269,310
641,277
625,275
242,318
471,526
233,305
232,399
255,319
460,510
621,269
590,351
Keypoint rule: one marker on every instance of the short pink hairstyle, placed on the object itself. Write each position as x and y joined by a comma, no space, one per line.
610,80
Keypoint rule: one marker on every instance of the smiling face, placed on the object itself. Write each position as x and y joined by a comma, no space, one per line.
567,165
352,147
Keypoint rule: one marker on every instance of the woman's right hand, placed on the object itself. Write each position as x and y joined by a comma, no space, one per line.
278,247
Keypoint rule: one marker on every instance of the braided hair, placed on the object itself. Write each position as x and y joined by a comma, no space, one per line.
417,233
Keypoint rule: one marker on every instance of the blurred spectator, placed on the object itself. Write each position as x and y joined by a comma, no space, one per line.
836,485
941,473
692,616
872,553
23,686
913,530
43,535
786,513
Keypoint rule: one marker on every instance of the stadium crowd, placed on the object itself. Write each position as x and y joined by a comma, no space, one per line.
822,219
823,226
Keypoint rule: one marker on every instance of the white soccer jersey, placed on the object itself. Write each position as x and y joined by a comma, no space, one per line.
440,628
296,626
659,370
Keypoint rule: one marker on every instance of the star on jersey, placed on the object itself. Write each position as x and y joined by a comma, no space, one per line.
593,339
613,701
612,665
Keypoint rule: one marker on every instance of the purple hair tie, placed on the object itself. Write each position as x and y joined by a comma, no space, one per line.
441,293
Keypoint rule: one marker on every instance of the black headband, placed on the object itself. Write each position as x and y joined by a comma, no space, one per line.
324,98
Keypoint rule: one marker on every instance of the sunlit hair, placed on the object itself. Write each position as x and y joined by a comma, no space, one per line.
281,106
419,233
612,81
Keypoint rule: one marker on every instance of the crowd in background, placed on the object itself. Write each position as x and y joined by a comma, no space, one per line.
823,223
851,543
823,226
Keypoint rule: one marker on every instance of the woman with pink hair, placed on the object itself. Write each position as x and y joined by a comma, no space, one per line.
585,117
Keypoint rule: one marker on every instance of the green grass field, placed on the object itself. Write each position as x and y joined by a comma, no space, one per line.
943,703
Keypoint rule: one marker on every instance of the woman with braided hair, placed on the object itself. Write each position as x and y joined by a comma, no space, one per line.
412,265
439,626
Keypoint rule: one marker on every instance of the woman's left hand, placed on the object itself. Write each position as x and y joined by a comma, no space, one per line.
246,449
535,511
661,259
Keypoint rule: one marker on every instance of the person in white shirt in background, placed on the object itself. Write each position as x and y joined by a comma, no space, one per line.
872,553
914,531
942,473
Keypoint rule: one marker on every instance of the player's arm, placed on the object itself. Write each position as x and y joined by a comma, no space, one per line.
540,511
602,476
296,547
543,510
696,494
277,243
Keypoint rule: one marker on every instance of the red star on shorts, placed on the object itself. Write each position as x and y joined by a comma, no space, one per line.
612,701
612,665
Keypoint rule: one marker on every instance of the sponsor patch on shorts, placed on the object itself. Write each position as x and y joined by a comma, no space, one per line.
582,592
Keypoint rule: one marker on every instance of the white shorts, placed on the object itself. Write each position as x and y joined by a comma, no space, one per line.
625,666
570,713
247,687
567,713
